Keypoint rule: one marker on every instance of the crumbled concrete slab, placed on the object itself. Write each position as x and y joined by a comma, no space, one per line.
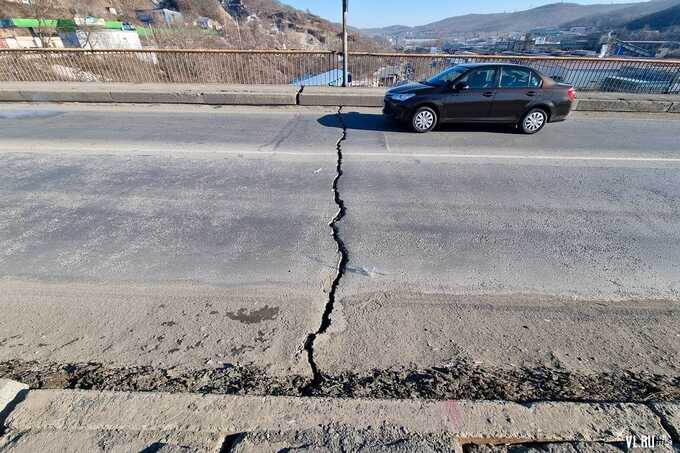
333,437
670,417
110,441
505,422
566,447
86,410
484,422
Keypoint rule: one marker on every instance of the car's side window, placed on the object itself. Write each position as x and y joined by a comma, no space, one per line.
535,81
480,79
515,78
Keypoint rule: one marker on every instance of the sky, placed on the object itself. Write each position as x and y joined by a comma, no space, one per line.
380,13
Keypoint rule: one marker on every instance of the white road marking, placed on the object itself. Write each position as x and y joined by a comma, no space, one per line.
521,157
135,149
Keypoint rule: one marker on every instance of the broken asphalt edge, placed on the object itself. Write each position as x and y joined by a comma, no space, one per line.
467,422
278,95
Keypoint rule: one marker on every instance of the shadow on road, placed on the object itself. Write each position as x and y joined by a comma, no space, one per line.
377,122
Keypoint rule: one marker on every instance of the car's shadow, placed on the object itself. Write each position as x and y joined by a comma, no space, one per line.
379,123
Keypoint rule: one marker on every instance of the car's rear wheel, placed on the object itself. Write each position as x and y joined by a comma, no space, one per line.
533,121
424,119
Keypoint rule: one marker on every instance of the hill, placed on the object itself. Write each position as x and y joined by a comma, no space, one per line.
624,15
554,16
262,24
661,20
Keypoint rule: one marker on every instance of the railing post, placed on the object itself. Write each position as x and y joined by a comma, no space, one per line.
345,49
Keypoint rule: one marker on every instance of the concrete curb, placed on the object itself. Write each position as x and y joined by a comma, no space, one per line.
149,94
278,95
624,105
207,421
347,97
588,102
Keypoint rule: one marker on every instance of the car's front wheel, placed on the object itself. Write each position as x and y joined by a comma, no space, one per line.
533,121
424,119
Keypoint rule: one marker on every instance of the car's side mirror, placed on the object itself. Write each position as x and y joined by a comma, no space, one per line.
462,86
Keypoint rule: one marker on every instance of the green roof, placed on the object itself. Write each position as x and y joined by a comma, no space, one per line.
35,23
62,24
114,24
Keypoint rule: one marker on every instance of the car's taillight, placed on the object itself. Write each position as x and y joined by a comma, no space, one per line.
572,93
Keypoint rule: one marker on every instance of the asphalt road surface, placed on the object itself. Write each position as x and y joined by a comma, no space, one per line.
189,249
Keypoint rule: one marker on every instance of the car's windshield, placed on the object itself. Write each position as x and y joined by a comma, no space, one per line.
447,76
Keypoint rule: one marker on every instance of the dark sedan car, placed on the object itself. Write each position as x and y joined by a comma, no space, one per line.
488,93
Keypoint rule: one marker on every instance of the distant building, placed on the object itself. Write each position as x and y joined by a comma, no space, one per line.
23,39
159,16
393,75
79,32
101,39
21,34
236,8
574,41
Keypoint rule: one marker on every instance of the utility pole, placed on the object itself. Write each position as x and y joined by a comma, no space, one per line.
345,49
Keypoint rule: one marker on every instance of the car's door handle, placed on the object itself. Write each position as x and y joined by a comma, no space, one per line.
488,94
531,93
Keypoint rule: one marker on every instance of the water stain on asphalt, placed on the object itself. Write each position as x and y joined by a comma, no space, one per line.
265,313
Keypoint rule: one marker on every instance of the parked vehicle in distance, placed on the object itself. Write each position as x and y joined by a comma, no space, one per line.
482,93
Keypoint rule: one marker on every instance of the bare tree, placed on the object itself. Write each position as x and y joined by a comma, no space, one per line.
84,31
42,11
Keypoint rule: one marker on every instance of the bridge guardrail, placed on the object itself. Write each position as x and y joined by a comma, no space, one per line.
316,68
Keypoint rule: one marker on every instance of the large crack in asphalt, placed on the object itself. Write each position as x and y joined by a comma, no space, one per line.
343,260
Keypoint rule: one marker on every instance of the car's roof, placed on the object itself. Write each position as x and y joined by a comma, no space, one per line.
477,65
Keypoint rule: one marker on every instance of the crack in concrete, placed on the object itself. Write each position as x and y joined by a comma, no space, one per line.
343,253
299,93
232,441
666,424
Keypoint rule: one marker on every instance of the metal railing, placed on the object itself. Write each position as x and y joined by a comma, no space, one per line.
161,65
587,74
316,68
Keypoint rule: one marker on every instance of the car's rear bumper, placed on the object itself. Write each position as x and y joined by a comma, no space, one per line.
561,111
